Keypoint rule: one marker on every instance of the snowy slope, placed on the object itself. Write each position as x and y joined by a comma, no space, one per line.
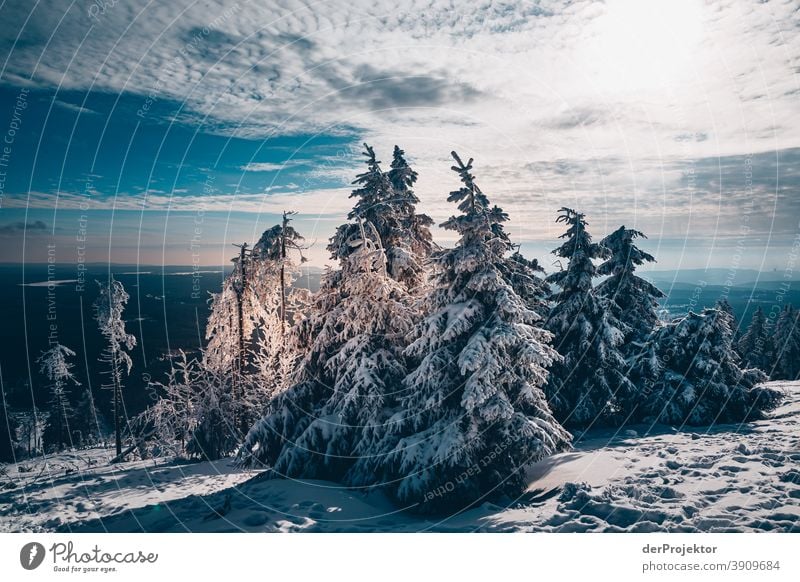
729,478
78,486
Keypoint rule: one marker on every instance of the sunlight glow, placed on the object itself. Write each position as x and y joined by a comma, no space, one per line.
638,45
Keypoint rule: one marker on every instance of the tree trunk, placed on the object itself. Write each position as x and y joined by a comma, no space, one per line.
117,432
240,291
117,396
283,274
242,421
240,351
138,443
239,365
283,299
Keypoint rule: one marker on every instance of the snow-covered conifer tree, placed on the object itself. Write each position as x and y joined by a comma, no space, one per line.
226,365
54,365
232,319
372,193
215,417
222,330
172,418
276,251
31,427
87,423
250,347
410,245
8,432
195,415
388,203
591,384
472,413
330,418
725,307
699,381
525,277
290,412
235,325
276,264
109,308
755,345
644,371
787,345
633,300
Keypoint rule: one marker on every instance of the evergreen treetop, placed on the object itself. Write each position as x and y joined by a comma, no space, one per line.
787,344
755,344
591,385
387,202
633,299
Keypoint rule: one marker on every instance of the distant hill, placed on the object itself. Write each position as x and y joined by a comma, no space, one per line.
715,276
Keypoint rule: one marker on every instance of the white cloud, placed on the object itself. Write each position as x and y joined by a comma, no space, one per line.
262,167
319,204
573,73
617,92
271,167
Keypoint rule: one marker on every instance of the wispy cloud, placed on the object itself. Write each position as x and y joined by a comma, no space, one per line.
322,203
15,228
271,166
543,77
608,106
74,108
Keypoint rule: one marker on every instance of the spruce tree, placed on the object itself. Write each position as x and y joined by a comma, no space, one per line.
388,203
8,432
195,414
526,278
109,308
289,412
633,300
330,419
232,320
276,251
725,307
408,246
222,330
174,416
87,423
213,418
698,379
787,345
248,331
54,365
590,385
472,414
31,425
372,195
645,370
275,266
755,345
223,385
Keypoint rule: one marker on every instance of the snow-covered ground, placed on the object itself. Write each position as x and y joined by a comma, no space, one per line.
74,487
728,478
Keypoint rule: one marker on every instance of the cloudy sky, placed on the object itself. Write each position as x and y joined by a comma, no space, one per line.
164,132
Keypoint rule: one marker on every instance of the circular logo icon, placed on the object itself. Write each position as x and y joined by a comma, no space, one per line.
31,555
